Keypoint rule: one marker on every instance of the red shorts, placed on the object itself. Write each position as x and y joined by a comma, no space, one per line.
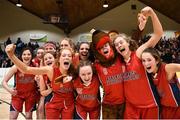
170,112
93,113
132,112
28,97
56,109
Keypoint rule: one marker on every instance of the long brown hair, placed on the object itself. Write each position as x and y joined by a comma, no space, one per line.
71,71
52,53
154,53
132,43
24,49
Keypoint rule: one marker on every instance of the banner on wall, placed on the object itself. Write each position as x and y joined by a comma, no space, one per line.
85,38
37,37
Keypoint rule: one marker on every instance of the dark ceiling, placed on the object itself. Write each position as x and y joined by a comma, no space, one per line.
73,13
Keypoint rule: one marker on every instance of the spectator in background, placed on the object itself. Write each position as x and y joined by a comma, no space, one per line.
167,56
33,45
1,55
8,41
178,57
113,34
29,44
6,63
1,51
36,45
19,46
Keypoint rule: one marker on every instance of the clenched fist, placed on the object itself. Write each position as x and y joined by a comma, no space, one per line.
143,16
147,11
10,49
142,21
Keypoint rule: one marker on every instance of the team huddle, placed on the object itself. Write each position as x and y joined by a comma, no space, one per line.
65,84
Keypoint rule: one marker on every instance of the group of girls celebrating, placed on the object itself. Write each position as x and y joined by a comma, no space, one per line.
136,85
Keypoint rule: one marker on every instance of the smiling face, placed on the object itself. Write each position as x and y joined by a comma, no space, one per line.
149,62
84,51
40,53
86,73
49,59
105,50
65,59
65,44
50,48
113,35
26,57
122,46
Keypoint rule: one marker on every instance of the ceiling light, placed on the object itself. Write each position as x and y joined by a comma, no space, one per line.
105,5
19,4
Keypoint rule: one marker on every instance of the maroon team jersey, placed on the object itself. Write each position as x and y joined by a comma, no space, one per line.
24,82
136,84
165,88
87,95
111,79
62,92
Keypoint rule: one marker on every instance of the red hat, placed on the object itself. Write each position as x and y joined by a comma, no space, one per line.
99,38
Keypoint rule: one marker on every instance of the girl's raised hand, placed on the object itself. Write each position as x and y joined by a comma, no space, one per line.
10,49
142,21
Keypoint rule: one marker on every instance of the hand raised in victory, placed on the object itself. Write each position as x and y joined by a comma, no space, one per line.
10,49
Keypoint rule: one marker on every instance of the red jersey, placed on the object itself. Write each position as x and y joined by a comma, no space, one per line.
24,82
168,97
136,84
111,79
46,80
76,60
62,92
36,62
88,95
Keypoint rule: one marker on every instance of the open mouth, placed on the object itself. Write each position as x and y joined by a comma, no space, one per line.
50,63
66,63
105,51
148,68
26,59
84,54
122,49
86,80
